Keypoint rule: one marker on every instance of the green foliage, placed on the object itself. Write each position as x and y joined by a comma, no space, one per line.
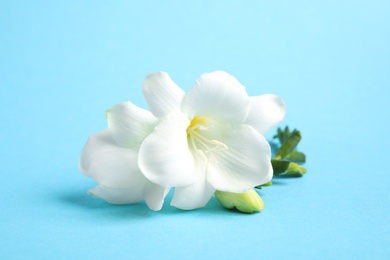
287,159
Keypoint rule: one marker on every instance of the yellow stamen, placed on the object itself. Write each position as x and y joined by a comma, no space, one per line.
200,143
197,120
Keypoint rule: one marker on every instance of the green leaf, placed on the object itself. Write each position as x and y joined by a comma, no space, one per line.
296,157
286,168
282,135
289,145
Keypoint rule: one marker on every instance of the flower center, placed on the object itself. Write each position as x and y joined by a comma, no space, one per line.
199,137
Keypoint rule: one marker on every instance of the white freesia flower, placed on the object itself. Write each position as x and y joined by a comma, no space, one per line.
110,158
208,139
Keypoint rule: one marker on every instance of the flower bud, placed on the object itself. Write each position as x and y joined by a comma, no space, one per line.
247,202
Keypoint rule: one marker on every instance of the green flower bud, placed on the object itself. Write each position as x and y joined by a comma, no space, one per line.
247,202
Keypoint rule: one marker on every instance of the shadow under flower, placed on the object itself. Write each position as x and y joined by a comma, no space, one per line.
86,204
212,207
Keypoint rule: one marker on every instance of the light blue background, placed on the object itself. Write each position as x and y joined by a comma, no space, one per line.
63,63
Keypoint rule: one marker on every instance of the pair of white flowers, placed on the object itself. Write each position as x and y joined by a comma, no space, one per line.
208,139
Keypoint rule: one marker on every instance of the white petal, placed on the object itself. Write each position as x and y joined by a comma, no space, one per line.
196,195
162,94
265,111
130,124
154,195
118,195
245,164
164,156
109,164
218,95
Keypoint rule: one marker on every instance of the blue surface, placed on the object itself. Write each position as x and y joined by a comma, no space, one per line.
63,63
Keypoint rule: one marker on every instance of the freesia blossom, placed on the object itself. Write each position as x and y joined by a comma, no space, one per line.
110,158
208,139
